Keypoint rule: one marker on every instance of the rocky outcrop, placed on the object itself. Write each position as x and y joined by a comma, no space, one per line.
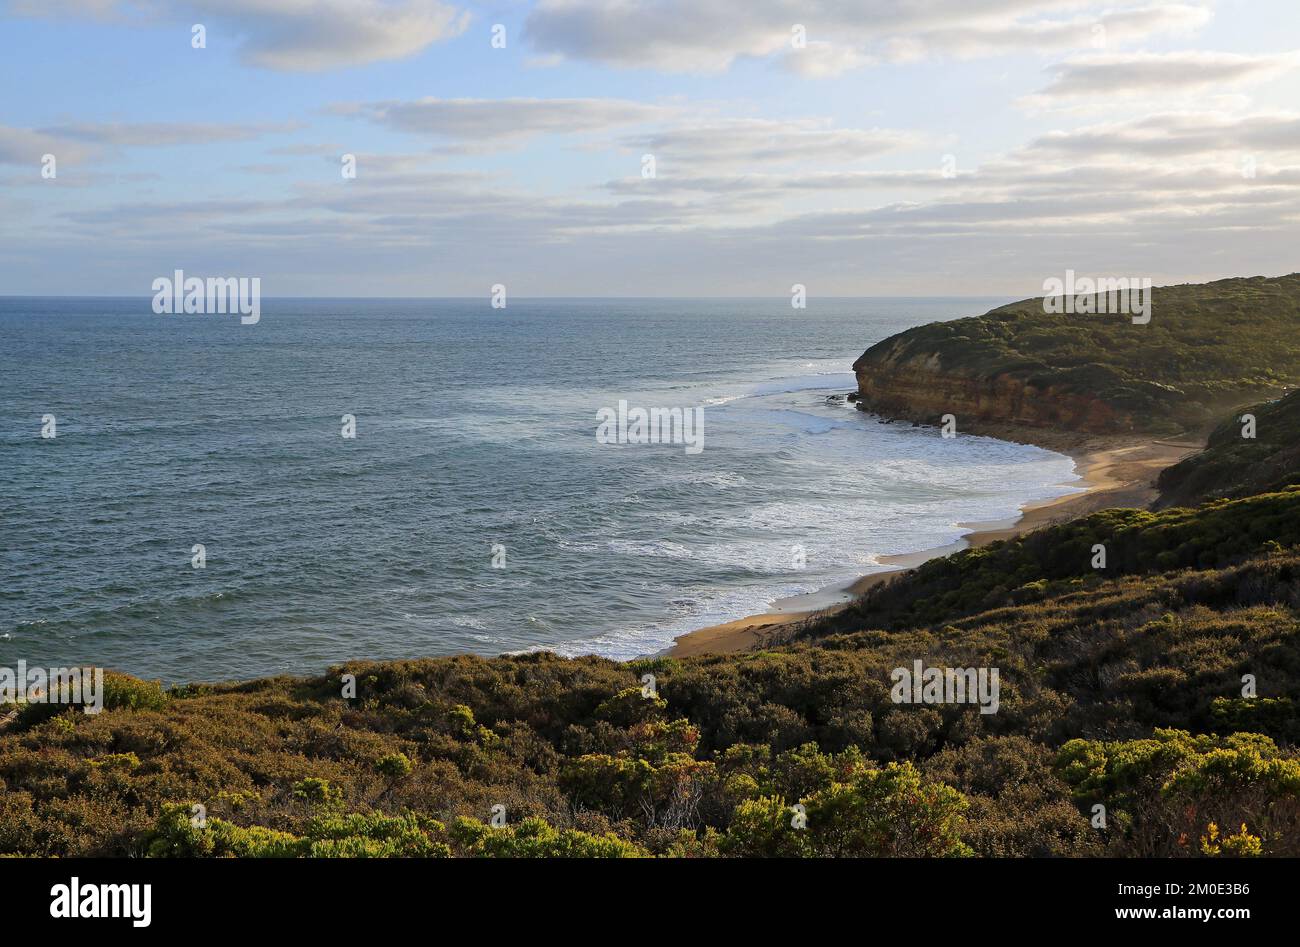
1030,367
897,380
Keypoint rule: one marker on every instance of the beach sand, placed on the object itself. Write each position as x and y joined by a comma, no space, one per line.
1114,474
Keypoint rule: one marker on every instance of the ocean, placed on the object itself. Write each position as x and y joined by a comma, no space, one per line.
475,509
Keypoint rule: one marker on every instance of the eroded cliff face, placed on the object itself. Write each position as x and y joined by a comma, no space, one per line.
896,381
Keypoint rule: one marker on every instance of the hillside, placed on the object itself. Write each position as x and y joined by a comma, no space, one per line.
1119,687
1235,466
1060,557
1207,349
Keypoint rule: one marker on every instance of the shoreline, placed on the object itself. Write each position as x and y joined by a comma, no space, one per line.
1113,472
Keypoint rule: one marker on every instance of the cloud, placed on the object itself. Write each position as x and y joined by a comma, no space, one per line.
23,146
767,141
687,36
78,141
1178,134
412,236
739,204
822,60
778,184
157,134
286,35
312,35
1011,35
503,119
99,9
1160,73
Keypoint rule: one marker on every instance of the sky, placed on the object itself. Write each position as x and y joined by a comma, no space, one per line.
646,147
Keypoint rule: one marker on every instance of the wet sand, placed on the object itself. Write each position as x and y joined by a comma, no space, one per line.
1113,475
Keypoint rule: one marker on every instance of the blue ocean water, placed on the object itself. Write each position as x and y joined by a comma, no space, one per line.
475,429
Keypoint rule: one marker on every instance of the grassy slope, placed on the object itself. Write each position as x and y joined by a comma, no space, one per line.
1235,466
1208,347
1136,542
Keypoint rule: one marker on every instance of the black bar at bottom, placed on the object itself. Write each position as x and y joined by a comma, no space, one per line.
328,897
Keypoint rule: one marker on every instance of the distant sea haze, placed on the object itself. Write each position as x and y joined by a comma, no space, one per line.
475,509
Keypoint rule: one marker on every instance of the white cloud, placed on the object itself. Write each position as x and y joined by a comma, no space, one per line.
158,134
311,35
689,36
286,35
738,202
772,185
1178,134
24,146
504,119
822,60
1160,74
743,142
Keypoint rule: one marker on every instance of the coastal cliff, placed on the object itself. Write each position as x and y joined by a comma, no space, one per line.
902,380
1207,348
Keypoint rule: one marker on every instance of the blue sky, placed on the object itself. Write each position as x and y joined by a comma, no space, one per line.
905,148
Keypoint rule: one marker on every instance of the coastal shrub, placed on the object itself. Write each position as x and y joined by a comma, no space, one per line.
1019,807
534,838
123,692
889,812
875,813
1235,466
1186,781
1275,716
179,834
393,765
763,828
629,706
375,835
1109,662
1137,542
317,790
1240,845
120,692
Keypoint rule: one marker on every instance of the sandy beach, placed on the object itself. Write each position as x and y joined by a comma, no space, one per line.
1113,473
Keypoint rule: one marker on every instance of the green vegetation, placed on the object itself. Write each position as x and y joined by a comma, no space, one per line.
1059,559
179,833
1188,784
1208,347
1120,687
868,812
1236,466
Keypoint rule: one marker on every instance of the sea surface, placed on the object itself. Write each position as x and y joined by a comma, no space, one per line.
475,447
